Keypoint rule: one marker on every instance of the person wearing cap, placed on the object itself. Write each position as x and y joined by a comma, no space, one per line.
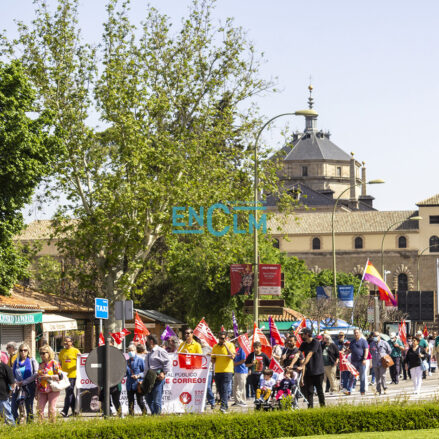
313,367
397,347
340,340
424,345
378,349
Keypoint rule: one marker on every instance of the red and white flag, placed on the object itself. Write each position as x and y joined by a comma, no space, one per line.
101,339
203,332
119,336
402,332
346,365
139,327
275,366
244,342
275,337
301,325
258,335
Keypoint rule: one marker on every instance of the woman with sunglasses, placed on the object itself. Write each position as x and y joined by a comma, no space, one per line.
48,372
25,369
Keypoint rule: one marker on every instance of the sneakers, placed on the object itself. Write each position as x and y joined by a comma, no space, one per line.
223,410
64,415
241,404
346,392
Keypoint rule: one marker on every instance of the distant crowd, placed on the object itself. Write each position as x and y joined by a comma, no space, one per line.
312,365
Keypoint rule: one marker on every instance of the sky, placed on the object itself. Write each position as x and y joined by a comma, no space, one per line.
374,67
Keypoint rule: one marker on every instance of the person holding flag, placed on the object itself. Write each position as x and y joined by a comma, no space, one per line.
257,361
240,377
190,346
223,354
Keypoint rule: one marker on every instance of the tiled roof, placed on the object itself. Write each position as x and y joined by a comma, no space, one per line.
27,298
432,201
39,229
289,315
344,222
314,147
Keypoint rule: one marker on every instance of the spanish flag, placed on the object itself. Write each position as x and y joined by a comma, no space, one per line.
371,275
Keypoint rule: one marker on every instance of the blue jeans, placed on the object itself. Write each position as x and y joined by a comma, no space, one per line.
154,398
346,380
70,400
210,396
5,410
222,381
362,370
29,402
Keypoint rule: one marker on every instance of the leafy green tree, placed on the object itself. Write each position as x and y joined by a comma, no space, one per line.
26,148
178,117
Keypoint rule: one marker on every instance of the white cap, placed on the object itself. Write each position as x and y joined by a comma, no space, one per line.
392,334
419,333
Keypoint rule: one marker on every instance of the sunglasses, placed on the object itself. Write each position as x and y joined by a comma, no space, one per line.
42,353
188,333
23,350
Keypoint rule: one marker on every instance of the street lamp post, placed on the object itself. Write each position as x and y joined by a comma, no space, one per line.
334,260
414,218
305,113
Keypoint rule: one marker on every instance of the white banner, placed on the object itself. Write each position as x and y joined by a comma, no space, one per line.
184,390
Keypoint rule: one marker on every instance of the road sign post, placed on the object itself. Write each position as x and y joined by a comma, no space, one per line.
97,367
101,311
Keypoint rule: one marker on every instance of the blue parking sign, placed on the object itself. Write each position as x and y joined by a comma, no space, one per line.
101,308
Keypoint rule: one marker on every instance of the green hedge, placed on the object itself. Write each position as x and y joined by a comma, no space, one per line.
342,419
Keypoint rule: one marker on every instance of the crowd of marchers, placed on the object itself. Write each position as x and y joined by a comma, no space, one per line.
312,365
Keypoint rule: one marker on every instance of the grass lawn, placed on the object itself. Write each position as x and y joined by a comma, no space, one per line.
412,434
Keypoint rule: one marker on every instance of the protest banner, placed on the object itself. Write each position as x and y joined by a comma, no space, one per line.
184,390
270,279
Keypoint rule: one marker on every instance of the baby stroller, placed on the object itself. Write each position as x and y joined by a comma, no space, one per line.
21,395
291,401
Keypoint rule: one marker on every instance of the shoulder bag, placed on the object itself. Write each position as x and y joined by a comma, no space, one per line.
63,382
387,361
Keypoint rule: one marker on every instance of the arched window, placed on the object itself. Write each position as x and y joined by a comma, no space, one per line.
402,242
434,244
403,284
358,242
316,244
275,243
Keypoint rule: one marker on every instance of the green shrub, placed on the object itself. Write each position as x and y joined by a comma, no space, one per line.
341,419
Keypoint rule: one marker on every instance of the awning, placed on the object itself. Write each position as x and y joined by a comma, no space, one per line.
54,322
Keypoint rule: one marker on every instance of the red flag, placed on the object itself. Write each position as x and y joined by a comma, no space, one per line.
425,331
402,332
119,336
275,366
203,332
101,339
244,342
301,325
275,337
346,365
138,338
222,328
139,326
258,335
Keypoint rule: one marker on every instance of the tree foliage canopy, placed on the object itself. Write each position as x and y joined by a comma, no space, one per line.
178,129
26,149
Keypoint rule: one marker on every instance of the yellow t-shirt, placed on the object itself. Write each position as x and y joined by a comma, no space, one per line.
190,348
223,364
67,358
